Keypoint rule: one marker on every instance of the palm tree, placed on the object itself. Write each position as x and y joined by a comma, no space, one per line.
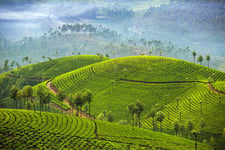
13,93
208,59
159,117
60,95
200,59
132,108
140,109
194,54
87,97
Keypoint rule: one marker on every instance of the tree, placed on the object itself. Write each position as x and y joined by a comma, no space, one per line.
13,93
195,133
6,66
160,53
189,125
200,59
159,117
208,59
176,126
60,95
140,109
110,116
125,72
19,96
40,93
202,124
194,54
77,100
28,92
87,97
47,99
132,109
150,53
153,114
25,59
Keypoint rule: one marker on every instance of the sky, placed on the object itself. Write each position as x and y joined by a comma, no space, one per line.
17,21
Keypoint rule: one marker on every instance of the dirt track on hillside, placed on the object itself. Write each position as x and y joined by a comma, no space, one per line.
54,90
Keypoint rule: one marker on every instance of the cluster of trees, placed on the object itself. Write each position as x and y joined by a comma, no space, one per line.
136,109
78,100
25,97
200,58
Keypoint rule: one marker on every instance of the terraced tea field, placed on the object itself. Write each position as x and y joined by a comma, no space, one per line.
37,73
22,129
160,81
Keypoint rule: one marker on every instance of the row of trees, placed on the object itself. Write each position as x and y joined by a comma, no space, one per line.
78,99
200,58
137,109
27,99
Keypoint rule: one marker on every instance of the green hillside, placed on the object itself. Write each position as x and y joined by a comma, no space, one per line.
22,129
36,73
178,88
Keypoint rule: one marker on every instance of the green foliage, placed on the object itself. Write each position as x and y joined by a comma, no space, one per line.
110,116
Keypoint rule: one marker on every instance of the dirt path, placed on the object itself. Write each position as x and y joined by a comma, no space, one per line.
215,90
54,90
27,78
161,82
209,84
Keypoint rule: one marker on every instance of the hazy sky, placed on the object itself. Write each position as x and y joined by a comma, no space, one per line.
17,21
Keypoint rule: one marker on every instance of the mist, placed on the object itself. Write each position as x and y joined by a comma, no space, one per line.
198,26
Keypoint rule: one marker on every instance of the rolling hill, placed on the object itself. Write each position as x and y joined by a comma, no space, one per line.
37,73
178,88
23,129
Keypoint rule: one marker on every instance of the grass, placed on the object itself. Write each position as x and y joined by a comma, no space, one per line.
23,129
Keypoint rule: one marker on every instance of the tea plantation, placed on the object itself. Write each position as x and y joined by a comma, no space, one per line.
23,129
39,72
178,88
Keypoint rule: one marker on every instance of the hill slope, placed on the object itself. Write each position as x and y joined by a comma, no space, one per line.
160,81
22,129
37,73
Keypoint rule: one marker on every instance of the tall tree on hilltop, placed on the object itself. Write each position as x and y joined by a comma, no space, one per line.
194,55
6,65
87,97
60,95
125,72
132,108
140,109
200,59
208,59
13,93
